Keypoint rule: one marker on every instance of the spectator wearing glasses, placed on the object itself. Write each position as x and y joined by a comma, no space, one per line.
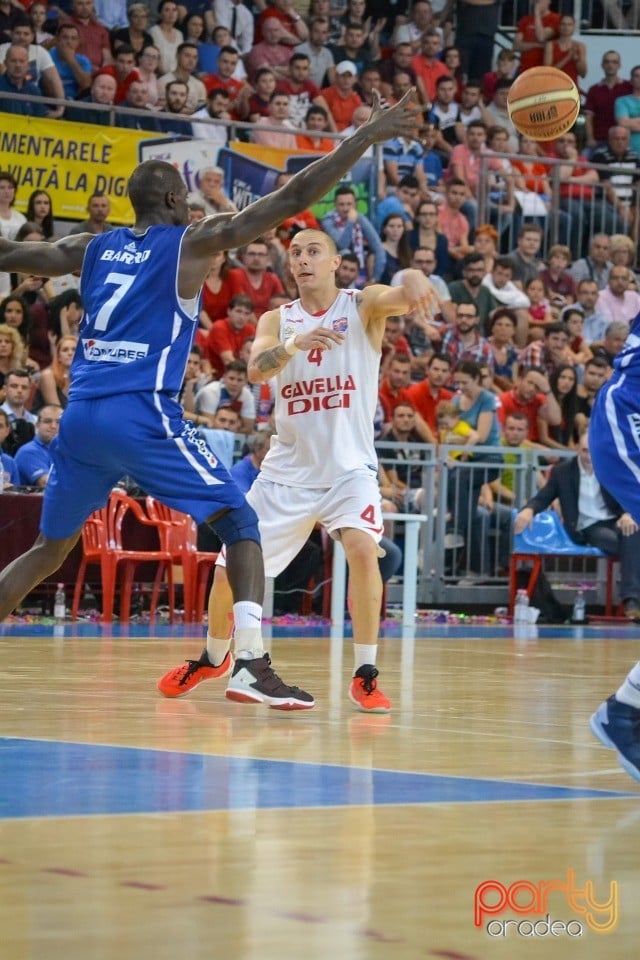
33,459
136,34
462,339
148,65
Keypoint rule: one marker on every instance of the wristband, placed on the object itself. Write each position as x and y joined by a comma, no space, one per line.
290,346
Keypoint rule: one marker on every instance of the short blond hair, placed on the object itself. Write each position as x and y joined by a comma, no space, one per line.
310,234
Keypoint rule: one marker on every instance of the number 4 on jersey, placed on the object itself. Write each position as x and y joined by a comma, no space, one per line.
315,356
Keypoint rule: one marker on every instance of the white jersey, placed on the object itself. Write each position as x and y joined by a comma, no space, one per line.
325,400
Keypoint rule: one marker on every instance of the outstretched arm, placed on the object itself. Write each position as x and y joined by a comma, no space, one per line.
307,187
42,259
416,293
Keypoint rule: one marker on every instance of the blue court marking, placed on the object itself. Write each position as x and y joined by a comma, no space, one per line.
53,779
314,629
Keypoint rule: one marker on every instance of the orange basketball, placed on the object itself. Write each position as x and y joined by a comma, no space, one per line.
543,103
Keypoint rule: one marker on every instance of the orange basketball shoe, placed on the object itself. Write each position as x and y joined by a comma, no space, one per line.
365,693
181,680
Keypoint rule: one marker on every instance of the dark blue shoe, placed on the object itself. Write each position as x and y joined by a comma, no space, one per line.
617,726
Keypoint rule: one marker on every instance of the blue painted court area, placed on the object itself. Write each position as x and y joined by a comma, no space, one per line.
313,628
53,779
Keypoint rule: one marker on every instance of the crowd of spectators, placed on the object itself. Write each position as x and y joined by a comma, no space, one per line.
526,330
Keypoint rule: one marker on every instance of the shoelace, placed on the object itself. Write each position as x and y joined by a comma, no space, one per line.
268,674
369,682
192,666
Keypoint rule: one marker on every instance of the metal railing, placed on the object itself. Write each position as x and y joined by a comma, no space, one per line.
572,213
466,541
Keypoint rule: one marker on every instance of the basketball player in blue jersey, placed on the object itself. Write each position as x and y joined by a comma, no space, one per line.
140,288
614,440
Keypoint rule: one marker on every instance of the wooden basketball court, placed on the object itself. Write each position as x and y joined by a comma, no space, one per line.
139,828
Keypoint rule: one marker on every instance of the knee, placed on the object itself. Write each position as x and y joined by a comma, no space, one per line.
52,553
361,551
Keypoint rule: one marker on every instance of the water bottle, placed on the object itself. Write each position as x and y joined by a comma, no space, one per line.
521,611
579,608
59,603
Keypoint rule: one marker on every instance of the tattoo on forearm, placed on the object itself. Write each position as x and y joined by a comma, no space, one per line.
272,360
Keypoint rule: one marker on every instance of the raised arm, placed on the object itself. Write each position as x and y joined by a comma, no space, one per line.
43,259
304,189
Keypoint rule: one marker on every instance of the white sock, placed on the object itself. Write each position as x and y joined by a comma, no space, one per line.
247,618
217,649
629,692
364,653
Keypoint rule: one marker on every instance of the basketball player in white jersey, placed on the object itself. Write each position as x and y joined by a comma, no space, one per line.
324,352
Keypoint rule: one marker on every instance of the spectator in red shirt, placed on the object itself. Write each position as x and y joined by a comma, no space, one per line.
270,52
393,388
224,79
124,71
599,106
258,283
94,37
302,92
340,97
532,396
295,29
221,284
426,395
428,68
225,338
533,32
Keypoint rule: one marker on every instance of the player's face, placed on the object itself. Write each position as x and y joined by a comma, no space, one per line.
181,213
311,262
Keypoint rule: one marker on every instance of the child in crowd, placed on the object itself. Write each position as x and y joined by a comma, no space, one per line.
451,429
539,309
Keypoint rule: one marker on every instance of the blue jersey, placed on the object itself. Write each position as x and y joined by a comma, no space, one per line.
628,360
135,335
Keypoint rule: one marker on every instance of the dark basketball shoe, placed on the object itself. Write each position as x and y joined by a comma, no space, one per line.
253,681
617,726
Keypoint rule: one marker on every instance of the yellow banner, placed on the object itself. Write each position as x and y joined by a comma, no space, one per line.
70,161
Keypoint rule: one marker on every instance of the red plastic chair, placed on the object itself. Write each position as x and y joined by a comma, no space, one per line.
179,534
102,545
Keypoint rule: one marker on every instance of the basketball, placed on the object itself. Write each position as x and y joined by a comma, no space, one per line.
543,103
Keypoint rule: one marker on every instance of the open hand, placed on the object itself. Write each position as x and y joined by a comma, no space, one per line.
401,120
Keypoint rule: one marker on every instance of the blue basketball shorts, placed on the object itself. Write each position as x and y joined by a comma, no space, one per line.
140,436
614,441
